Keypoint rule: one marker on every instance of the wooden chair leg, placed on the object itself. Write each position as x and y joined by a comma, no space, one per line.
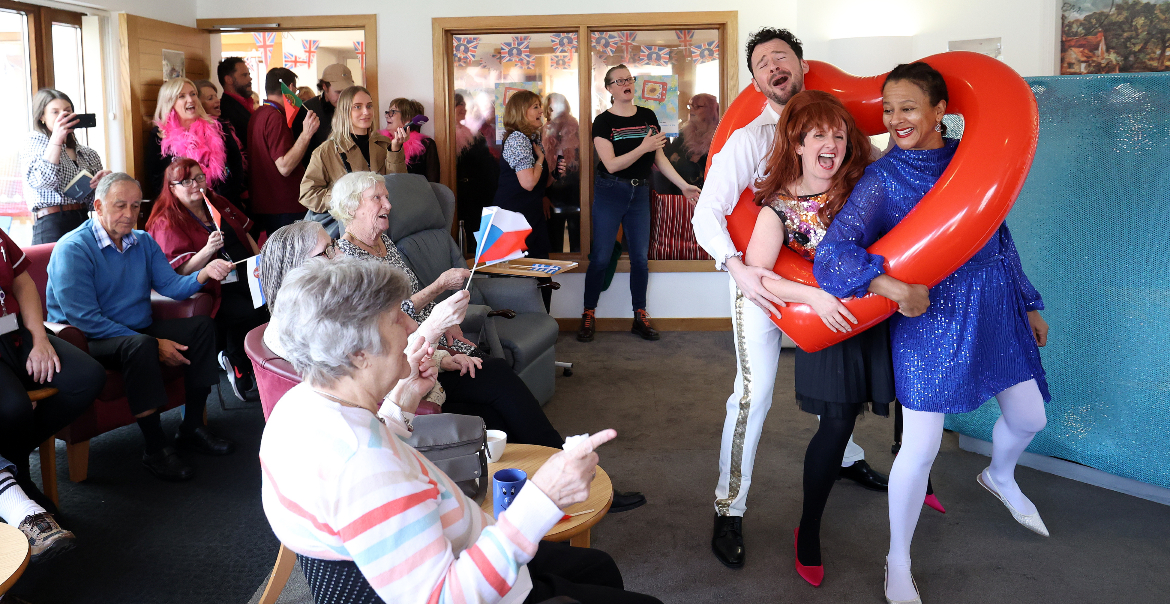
78,454
49,470
286,560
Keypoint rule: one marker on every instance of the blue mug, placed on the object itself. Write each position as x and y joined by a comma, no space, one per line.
506,484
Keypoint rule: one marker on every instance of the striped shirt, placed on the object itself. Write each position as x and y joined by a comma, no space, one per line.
44,183
337,484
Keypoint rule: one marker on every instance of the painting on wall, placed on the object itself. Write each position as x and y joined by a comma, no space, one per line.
1110,36
174,64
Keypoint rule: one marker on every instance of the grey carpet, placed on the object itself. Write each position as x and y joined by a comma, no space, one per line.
666,399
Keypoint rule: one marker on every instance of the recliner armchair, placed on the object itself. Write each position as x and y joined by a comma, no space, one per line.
420,226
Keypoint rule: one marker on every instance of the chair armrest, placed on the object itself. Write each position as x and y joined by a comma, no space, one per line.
68,333
163,308
515,293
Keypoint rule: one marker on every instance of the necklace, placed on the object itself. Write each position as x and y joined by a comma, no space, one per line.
369,247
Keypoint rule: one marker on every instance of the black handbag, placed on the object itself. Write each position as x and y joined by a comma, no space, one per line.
457,445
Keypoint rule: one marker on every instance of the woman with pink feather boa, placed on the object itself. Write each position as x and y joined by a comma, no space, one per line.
183,129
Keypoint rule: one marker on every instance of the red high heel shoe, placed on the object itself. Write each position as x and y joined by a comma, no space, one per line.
813,574
933,502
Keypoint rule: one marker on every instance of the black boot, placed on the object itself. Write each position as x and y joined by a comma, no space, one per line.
727,540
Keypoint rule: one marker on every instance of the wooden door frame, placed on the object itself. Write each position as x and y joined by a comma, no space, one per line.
443,28
367,23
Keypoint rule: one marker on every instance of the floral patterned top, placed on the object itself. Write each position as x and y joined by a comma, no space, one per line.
394,258
803,230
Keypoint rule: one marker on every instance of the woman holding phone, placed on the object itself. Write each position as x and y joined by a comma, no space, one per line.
628,141
50,160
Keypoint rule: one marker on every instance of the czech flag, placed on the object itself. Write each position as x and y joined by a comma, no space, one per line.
501,236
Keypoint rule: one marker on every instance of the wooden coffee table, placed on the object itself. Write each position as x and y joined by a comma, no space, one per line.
14,555
575,530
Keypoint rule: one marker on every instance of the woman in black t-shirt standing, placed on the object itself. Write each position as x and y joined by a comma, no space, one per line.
628,142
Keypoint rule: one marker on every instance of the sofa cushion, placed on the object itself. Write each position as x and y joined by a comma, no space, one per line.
415,207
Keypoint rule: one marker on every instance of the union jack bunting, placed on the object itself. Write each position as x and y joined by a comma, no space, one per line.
604,42
654,55
564,43
516,51
529,63
265,42
626,40
561,61
465,49
686,37
360,49
310,48
292,61
705,52
493,61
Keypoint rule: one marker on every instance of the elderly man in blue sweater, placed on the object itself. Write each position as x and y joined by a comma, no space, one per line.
100,277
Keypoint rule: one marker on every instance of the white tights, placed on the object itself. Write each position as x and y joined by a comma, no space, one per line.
1023,416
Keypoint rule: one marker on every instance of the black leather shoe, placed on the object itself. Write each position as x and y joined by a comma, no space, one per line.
588,326
727,541
624,501
201,439
642,327
862,474
167,465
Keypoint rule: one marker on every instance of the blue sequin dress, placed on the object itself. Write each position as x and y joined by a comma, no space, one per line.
974,340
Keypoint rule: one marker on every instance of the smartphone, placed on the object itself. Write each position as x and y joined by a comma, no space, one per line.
556,166
86,120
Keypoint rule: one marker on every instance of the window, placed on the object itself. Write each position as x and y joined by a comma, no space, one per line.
564,59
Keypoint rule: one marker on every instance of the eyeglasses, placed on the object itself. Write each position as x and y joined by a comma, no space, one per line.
329,250
391,112
190,182
624,81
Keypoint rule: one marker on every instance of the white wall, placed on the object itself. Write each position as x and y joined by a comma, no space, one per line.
174,11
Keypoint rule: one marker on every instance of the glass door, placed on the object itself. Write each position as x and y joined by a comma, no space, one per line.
15,121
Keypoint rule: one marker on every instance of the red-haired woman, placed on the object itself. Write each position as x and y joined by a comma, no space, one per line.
183,227
819,155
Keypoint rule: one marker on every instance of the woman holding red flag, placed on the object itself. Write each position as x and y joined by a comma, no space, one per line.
193,226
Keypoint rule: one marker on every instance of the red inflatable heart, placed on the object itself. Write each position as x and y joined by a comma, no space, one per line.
954,220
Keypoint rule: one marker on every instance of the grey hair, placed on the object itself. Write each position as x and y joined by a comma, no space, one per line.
109,180
286,248
329,312
347,194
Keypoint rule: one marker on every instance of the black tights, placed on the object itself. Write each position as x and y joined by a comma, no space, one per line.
822,465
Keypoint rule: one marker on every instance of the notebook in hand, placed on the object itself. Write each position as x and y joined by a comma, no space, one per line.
79,187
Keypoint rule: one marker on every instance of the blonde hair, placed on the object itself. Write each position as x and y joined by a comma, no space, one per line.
515,110
168,94
342,124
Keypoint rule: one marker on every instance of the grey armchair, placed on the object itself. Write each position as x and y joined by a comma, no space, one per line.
420,226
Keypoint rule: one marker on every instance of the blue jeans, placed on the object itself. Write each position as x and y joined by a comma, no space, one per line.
618,203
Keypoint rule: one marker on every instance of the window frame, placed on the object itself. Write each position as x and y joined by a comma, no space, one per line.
444,29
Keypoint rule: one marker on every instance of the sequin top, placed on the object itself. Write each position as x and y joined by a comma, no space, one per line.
975,340
803,230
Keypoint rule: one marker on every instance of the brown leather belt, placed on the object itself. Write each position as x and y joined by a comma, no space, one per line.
41,213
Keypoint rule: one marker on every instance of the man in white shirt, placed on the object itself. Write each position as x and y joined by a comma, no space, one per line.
775,58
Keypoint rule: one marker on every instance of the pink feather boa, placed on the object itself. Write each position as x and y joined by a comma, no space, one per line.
415,146
202,142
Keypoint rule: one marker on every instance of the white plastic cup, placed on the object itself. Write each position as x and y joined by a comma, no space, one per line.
496,440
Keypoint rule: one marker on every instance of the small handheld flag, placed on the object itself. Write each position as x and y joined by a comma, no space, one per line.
291,104
215,216
253,274
500,237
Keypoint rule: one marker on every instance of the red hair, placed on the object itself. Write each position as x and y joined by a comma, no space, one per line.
167,208
811,110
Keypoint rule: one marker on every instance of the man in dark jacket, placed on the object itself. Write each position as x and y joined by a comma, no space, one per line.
236,103
334,80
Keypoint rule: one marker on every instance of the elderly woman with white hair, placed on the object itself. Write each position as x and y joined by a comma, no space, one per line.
368,516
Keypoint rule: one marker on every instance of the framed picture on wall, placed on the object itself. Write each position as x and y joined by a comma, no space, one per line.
174,64
1104,36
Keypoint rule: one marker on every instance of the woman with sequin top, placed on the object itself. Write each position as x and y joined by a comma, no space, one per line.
969,338
818,155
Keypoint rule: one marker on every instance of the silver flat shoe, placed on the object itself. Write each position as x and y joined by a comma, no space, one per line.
886,584
1031,522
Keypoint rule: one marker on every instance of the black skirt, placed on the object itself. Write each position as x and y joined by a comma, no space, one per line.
838,382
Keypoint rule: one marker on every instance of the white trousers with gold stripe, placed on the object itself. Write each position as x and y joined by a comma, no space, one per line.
757,353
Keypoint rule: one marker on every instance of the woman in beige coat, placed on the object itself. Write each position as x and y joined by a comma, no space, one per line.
354,146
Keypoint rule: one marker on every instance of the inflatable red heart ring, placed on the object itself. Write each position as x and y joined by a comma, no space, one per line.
954,220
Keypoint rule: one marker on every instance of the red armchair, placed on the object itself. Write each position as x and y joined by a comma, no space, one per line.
275,376
111,409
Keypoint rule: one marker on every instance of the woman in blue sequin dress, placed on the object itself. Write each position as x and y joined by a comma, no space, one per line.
818,156
971,337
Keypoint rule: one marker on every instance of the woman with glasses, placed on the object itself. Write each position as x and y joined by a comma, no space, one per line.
628,142
190,235
422,155
182,128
